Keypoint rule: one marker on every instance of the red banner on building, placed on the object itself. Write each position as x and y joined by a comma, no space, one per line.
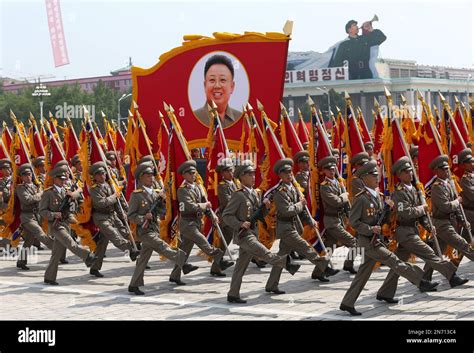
229,69
56,33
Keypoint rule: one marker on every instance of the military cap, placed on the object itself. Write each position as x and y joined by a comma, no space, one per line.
25,169
38,161
402,164
369,168
111,154
5,162
224,164
327,162
98,167
60,171
301,156
440,162
305,145
144,168
75,159
349,24
188,166
368,145
148,158
414,151
465,156
335,151
62,163
360,158
283,165
245,167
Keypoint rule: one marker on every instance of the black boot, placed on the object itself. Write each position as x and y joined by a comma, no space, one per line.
135,290
91,258
350,310
236,300
427,286
457,281
134,254
388,300
189,268
351,270
96,273
22,265
330,271
224,264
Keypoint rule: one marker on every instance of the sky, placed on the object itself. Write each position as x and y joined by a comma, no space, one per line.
102,35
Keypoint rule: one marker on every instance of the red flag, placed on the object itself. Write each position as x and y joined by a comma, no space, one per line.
303,133
378,132
428,149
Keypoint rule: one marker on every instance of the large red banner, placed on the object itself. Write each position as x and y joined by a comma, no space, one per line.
228,69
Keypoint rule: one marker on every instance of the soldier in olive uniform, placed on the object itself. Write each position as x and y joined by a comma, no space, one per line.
336,206
192,205
356,163
147,204
410,213
59,223
107,217
364,217
414,157
157,183
466,159
290,211
112,158
369,148
29,196
243,205
446,208
5,183
226,187
40,169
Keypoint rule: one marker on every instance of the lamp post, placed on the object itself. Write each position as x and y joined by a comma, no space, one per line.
118,107
325,90
41,91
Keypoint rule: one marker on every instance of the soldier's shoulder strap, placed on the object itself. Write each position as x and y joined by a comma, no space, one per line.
137,190
361,193
399,187
222,182
94,186
325,182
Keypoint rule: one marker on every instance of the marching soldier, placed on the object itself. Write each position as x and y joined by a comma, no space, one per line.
5,182
240,215
112,158
410,213
467,184
357,162
446,209
77,168
40,169
147,204
29,196
225,189
369,148
192,205
54,206
366,217
289,207
414,157
107,217
336,207
157,184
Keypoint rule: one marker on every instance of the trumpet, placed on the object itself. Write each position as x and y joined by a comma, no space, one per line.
374,19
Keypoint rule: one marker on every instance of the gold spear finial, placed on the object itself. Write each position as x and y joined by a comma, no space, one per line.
260,105
160,115
456,100
376,103
403,99
171,109
347,96
311,101
135,105
442,98
249,107
103,114
167,107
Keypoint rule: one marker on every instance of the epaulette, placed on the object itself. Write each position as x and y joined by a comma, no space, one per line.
48,188
93,186
281,188
360,193
240,189
381,194
157,190
325,182
399,187
436,183
222,182
137,190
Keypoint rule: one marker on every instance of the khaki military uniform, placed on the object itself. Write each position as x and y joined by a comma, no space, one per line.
467,194
224,193
29,196
105,216
242,205
5,189
357,185
140,204
364,214
410,213
192,204
288,230
445,206
333,203
302,177
51,202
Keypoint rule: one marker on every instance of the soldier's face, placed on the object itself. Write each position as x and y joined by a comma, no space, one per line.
303,165
99,178
60,182
6,172
219,85
469,166
147,180
228,174
330,173
42,169
371,180
190,177
286,176
406,176
248,179
113,162
78,167
442,173
26,178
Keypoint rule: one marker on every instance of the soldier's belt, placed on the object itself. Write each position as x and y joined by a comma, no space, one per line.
408,223
330,214
286,219
104,212
446,217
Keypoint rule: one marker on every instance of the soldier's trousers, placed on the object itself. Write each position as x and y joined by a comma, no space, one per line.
447,235
251,247
191,235
335,234
470,219
62,240
114,231
373,254
293,241
31,231
412,244
228,234
151,241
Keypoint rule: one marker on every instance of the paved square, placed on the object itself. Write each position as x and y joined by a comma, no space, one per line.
81,296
